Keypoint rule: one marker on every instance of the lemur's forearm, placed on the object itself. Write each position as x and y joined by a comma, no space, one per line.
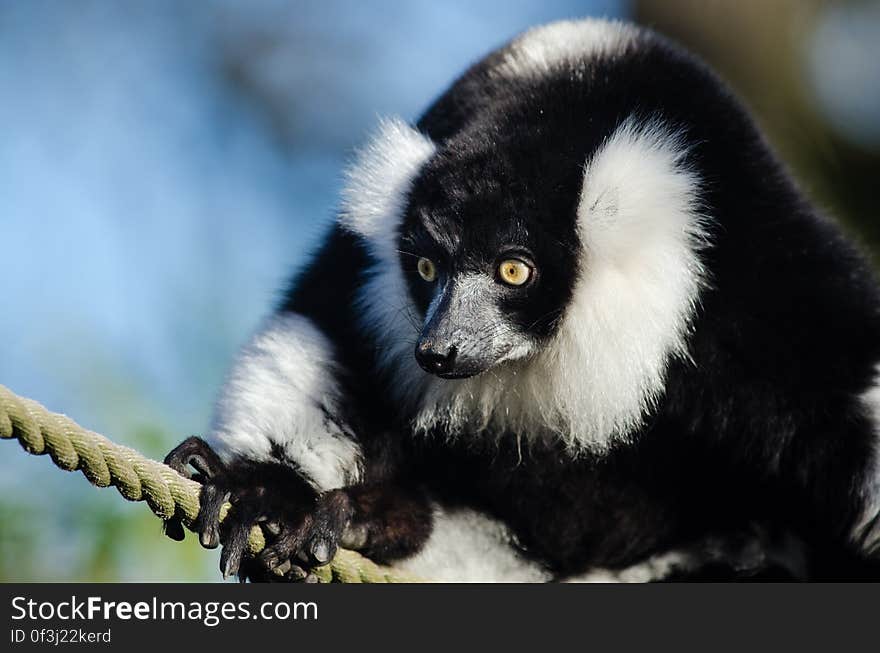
388,521
282,404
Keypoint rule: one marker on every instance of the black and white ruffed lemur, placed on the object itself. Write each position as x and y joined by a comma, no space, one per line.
577,323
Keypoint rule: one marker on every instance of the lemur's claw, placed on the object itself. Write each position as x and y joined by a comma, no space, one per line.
231,557
194,459
322,551
303,530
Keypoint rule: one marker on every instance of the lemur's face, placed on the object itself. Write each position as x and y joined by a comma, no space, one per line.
490,262
554,206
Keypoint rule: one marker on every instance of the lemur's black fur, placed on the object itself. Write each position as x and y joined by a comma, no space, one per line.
761,428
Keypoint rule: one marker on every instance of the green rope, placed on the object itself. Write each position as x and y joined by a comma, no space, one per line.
105,463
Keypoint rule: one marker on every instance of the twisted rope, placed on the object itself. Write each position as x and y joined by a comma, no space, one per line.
167,493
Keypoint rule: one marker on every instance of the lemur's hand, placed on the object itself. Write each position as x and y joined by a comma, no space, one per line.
303,529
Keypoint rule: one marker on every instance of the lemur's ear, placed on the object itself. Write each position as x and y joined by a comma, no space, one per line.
379,180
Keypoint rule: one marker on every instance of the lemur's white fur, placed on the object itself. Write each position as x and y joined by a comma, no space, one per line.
641,231
568,42
466,546
281,391
375,193
372,205
866,532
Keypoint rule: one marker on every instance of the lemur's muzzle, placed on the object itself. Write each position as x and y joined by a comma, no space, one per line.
457,340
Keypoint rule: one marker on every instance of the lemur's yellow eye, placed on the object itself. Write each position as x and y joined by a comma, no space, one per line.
514,272
427,270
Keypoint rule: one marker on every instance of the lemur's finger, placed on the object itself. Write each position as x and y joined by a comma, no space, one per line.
296,574
195,454
282,569
207,524
207,462
240,521
286,544
321,549
230,558
178,459
332,518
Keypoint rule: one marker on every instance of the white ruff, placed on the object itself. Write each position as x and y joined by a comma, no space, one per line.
570,42
373,202
641,231
378,183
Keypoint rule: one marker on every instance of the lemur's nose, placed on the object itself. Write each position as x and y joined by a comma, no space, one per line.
433,359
